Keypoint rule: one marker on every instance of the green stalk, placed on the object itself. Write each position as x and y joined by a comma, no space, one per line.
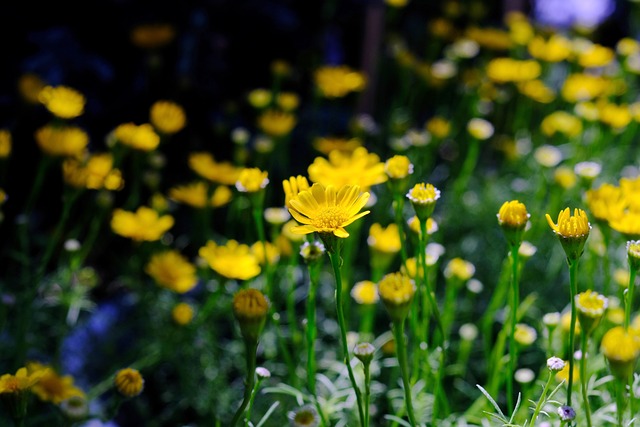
251,400
620,401
398,332
467,167
312,332
257,218
515,301
251,346
367,392
583,377
629,299
536,411
335,263
573,273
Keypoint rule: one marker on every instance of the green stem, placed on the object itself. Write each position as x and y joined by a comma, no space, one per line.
257,218
620,401
573,273
398,332
515,301
629,298
251,400
399,219
467,167
541,401
250,346
312,332
425,277
335,263
367,393
583,377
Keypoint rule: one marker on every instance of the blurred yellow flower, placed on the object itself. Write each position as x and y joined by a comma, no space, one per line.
504,70
438,126
605,202
328,210
396,290
66,141
260,98
167,117
480,128
414,225
365,292
5,143
384,239
252,180
596,55
490,38
565,323
616,116
537,90
276,123
327,144
288,101
29,86
232,260
143,225
62,101
398,167
396,3
557,48
561,122
205,165
22,381
273,254
338,81
621,349
129,382
195,193
460,269
628,224
95,172
182,313
152,35
583,87
360,168
627,46
139,137
563,374
524,334
565,177
171,270
53,387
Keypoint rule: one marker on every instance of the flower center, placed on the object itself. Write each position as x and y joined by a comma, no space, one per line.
330,217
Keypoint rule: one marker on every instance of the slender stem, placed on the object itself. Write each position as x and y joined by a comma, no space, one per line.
251,400
251,347
513,349
467,167
398,332
573,273
620,401
367,393
629,299
335,263
257,218
399,219
583,376
541,401
425,277
312,332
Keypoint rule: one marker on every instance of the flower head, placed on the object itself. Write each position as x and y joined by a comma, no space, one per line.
67,141
338,81
359,167
305,416
633,254
423,198
364,352
272,252
22,381
172,271
566,413
365,292
276,123
129,382
62,101
438,126
398,167
139,137
195,194
205,165
250,308
591,307
167,116
513,218
480,129
327,210
555,364
396,291
312,251
252,180
182,313
572,231
231,260
5,143
621,348
292,187
95,172
145,224
459,269
524,334
53,387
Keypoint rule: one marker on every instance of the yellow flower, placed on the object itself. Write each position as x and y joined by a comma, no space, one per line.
591,307
182,313
276,123
563,375
29,86
582,87
252,180
460,269
53,387
365,292
621,348
414,225
605,202
167,116
561,122
5,143
537,90
423,198
273,254
438,126
557,48
396,291
385,240
571,230
129,382
565,177
231,260
195,195
288,101
67,141
172,271
259,98
524,334
143,225
287,231
396,3
142,137
22,381
398,167
250,308
152,35
62,101
627,46
292,187
95,172
627,224
328,210
565,323
595,55
338,81
513,218
490,38
360,168
616,116
504,70
327,144
205,165
480,128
